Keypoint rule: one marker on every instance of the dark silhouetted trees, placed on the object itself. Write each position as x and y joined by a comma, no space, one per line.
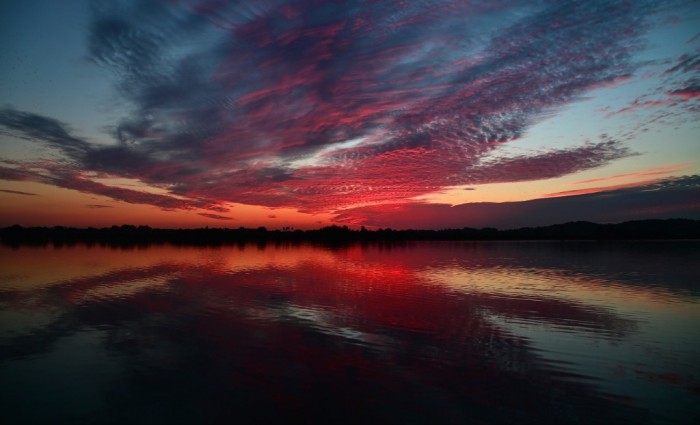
128,235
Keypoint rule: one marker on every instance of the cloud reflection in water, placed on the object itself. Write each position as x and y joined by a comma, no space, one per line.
425,332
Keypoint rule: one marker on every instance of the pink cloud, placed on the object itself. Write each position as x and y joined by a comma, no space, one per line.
637,105
687,93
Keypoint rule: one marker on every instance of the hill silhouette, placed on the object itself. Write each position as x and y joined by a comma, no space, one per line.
129,235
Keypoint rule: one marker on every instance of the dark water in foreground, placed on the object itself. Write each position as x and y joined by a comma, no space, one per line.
574,332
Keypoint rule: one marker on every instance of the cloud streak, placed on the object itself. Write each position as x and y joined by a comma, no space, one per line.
647,172
215,216
18,192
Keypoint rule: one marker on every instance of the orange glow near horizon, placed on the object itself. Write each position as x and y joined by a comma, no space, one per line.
38,204
43,205
523,191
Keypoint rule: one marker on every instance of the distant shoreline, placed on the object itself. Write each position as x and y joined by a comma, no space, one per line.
128,235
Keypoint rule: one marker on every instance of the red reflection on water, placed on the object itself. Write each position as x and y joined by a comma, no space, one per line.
312,335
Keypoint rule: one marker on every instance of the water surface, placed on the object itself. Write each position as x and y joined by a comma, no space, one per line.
444,332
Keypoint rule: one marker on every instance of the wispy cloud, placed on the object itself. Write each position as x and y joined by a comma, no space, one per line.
690,92
333,106
647,172
640,104
602,188
215,216
687,63
26,125
18,192
676,96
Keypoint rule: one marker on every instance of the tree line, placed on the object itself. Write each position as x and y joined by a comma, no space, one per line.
129,235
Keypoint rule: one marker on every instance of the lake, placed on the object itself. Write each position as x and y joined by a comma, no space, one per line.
424,332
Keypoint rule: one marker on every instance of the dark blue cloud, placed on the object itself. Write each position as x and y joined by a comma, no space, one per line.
30,126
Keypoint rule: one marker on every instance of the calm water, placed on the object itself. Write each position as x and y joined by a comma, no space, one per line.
575,332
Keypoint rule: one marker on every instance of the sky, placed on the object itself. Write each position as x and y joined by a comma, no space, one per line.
304,114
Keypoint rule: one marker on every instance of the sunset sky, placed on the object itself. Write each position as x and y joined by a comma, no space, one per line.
403,114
